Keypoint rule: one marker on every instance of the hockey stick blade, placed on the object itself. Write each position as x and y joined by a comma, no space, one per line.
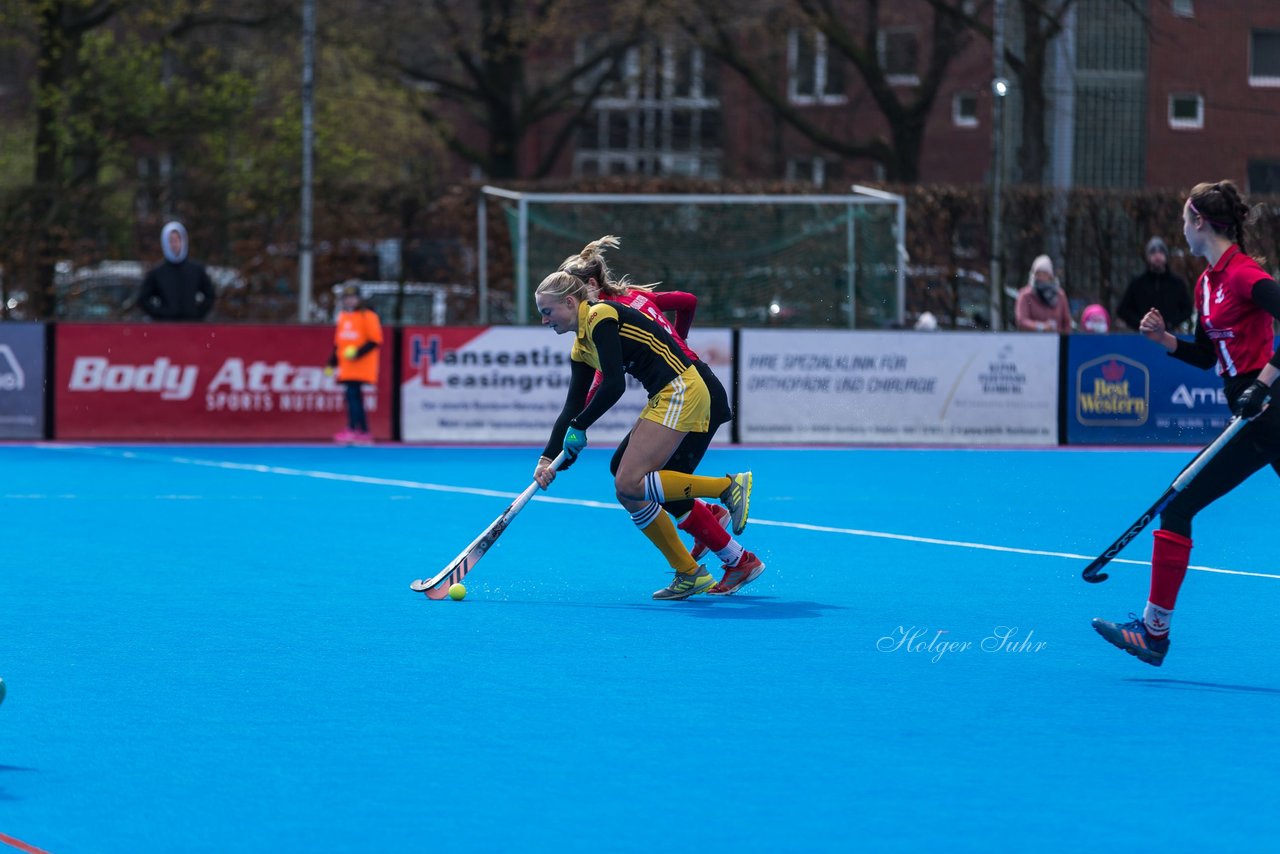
437,587
1092,573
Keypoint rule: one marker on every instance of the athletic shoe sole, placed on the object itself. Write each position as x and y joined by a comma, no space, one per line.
693,591
752,576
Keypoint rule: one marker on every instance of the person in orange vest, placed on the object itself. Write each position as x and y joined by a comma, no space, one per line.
355,356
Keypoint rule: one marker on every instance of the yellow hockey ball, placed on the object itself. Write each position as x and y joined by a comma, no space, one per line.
350,352
457,592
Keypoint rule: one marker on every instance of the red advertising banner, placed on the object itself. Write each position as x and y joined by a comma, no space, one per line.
157,381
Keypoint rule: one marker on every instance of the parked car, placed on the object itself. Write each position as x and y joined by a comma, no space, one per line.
425,303
108,290
959,298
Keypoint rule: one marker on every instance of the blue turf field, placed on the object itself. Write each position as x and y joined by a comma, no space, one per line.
215,648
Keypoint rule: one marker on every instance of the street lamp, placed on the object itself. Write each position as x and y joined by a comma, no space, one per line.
999,89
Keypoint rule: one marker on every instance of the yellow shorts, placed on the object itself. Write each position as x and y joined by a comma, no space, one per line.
684,405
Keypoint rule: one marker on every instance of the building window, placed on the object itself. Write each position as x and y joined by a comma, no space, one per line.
815,75
813,170
1186,111
899,56
964,110
1264,58
660,116
1264,177
1183,8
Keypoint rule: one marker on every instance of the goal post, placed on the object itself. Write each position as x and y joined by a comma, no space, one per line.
752,259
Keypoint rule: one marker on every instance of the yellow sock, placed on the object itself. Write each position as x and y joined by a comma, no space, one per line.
677,485
662,532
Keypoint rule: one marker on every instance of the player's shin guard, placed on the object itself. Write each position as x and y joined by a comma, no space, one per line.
1169,559
703,526
663,486
656,524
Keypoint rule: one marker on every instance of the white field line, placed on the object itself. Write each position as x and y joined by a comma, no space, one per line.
578,502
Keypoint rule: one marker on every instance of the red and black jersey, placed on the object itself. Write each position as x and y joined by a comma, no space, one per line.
1239,328
1237,302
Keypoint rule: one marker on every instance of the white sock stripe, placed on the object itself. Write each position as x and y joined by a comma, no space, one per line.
653,487
645,515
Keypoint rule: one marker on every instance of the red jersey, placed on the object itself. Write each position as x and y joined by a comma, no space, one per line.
651,304
1239,328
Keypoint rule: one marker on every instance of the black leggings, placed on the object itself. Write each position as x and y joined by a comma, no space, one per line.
355,406
693,448
1254,448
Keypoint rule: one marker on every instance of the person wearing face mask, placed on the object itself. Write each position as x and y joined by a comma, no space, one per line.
1042,304
1095,319
178,289
1158,288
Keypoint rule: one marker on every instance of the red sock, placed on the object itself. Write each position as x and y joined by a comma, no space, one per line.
1169,561
702,524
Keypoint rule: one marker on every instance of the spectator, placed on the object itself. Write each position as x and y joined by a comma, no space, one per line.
1156,288
1042,304
926,322
1094,318
178,289
355,355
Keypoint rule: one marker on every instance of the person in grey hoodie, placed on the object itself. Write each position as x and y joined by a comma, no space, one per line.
178,289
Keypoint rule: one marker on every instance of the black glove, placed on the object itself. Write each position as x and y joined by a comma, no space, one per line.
1249,404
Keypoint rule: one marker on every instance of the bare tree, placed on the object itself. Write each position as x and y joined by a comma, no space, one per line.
852,31
493,71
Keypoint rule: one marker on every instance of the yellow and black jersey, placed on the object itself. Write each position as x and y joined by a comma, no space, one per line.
648,352
616,340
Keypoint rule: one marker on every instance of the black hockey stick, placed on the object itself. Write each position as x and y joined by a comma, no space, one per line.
1092,573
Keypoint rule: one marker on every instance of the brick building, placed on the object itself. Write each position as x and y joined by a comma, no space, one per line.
1213,94
1156,94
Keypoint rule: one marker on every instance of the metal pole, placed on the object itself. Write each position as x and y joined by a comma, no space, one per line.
482,237
522,264
851,274
900,241
999,89
308,135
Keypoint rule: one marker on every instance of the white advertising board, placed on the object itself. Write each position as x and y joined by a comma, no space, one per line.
507,384
927,388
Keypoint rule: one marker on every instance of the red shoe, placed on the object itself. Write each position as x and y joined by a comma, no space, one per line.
344,437
362,437
722,516
737,577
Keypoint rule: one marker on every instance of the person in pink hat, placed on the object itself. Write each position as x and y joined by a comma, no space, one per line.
1094,318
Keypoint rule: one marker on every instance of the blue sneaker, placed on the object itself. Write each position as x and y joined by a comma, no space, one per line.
1134,639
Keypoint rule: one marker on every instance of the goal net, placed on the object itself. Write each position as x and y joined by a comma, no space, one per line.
752,260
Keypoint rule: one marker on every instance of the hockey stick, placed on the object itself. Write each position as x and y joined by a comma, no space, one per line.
437,587
1092,572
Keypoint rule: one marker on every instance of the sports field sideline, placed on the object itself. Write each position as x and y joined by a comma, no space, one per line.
215,648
